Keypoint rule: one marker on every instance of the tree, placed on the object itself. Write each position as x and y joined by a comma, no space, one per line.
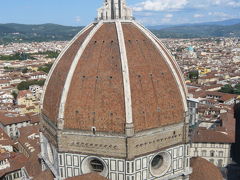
15,95
237,91
16,56
227,89
46,68
24,85
25,70
237,86
193,75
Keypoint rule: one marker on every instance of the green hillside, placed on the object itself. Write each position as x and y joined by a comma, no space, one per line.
199,31
30,33
53,32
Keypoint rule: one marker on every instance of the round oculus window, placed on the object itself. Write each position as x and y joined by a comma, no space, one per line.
157,162
94,164
160,164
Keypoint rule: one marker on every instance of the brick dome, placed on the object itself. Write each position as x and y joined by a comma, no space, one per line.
203,169
111,75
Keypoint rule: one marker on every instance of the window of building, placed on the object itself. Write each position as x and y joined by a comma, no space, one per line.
61,171
220,163
221,145
195,153
132,166
220,153
157,162
212,153
94,130
128,167
204,153
160,164
97,165
212,161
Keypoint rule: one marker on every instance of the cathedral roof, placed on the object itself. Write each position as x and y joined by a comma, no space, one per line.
203,169
90,87
115,74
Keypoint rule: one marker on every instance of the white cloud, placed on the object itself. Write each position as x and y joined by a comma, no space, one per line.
198,15
149,21
205,4
220,15
168,16
147,14
160,5
77,19
217,2
233,4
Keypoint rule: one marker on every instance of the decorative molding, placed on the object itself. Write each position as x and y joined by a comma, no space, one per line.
58,59
126,78
138,167
71,72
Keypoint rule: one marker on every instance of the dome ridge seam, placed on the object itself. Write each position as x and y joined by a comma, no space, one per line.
71,73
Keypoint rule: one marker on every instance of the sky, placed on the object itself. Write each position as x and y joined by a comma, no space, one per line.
148,12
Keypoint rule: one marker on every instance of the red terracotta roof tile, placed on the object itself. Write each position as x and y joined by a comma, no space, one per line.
204,170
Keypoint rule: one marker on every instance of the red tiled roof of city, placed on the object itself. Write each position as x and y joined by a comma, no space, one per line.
204,170
222,134
7,120
17,161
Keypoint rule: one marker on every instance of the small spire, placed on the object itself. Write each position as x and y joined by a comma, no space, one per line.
114,9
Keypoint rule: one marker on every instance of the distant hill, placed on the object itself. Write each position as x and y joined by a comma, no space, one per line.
30,33
199,31
54,32
228,22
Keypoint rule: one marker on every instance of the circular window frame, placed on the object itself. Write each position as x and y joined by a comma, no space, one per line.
163,167
86,166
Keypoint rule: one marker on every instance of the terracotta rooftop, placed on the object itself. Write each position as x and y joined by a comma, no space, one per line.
11,118
29,139
5,140
96,96
222,134
34,118
46,175
16,160
23,93
204,170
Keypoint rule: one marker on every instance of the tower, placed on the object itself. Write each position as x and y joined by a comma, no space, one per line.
114,9
115,103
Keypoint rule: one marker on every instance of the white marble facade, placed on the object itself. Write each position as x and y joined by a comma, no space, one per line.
67,164
217,153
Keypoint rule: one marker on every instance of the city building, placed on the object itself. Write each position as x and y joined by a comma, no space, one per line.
115,103
193,111
214,141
